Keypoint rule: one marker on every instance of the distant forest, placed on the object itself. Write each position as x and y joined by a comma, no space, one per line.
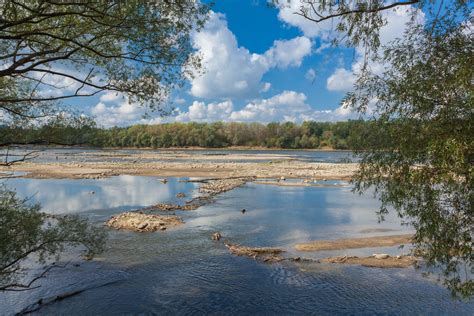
308,135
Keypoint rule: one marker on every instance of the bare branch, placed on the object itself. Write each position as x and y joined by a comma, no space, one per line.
25,157
321,17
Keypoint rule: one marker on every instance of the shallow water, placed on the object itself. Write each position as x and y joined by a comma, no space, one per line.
182,271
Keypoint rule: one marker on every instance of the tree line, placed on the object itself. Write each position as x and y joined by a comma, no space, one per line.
308,135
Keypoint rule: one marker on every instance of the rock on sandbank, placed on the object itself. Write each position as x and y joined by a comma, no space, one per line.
139,222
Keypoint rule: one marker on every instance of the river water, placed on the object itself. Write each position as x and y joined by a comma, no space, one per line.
181,271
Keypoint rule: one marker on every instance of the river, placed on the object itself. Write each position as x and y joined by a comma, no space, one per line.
182,271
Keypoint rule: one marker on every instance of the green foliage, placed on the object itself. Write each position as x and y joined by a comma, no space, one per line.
61,129
213,135
54,50
418,150
28,234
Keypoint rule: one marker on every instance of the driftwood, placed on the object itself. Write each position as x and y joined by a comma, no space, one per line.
170,207
214,179
265,254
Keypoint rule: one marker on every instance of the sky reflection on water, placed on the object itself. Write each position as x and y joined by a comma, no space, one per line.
64,196
182,271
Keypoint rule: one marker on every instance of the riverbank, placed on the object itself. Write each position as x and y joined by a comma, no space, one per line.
233,148
101,164
272,255
355,243
185,148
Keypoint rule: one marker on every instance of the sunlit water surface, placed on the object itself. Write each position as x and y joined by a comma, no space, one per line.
181,271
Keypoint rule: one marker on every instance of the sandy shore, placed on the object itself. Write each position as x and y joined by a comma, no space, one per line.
95,170
271,255
353,243
372,262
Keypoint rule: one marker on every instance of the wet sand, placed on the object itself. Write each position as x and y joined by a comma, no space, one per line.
253,252
271,255
354,243
371,262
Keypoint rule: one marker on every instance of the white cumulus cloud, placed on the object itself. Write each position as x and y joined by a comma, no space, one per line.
288,53
231,71
292,106
115,109
341,80
286,106
202,112
323,30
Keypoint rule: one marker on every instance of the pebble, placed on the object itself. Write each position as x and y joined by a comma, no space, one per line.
142,225
216,236
380,256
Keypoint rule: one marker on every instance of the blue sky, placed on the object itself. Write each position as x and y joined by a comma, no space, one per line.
257,32
261,64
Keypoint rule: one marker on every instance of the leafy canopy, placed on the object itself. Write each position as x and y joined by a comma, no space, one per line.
417,150
54,50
